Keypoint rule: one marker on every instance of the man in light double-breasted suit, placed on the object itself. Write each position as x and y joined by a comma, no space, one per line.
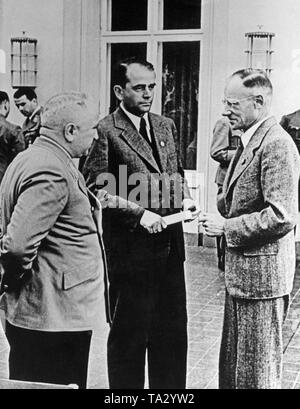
259,208
138,151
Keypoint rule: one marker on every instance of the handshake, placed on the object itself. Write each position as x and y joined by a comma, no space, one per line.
154,223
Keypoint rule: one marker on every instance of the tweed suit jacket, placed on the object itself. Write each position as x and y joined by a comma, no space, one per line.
259,202
11,143
49,245
123,153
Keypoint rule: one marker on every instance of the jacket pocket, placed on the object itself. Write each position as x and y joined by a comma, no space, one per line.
268,249
78,276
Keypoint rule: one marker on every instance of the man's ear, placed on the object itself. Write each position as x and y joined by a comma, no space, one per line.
259,101
118,90
7,107
70,132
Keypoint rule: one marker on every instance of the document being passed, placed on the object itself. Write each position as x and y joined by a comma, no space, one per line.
178,217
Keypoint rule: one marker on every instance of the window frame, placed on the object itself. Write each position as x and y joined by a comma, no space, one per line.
154,37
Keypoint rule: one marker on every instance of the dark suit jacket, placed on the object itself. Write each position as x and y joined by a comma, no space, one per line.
122,152
11,143
50,239
223,147
259,202
31,126
291,124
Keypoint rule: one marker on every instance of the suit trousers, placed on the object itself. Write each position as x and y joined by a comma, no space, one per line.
251,352
149,314
51,357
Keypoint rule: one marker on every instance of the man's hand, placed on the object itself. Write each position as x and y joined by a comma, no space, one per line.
152,222
192,206
213,224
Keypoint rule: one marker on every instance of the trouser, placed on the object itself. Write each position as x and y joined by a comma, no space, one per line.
251,352
149,314
221,244
50,357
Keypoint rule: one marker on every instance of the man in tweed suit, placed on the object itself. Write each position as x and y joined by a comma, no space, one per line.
259,208
145,259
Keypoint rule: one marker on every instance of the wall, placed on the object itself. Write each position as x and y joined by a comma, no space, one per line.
67,44
232,19
43,20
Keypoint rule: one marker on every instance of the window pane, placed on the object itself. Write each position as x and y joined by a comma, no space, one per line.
121,52
180,95
129,15
182,14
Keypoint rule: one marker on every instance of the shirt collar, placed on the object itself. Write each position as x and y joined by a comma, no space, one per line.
56,144
136,120
245,137
37,109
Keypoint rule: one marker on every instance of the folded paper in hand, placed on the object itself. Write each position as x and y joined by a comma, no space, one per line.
178,217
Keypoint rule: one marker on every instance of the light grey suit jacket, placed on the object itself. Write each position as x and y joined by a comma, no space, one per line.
50,239
259,201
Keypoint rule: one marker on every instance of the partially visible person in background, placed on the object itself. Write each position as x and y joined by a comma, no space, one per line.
11,136
27,103
291,124
223,146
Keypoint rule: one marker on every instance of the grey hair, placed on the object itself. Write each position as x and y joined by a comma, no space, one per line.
64,108
252,78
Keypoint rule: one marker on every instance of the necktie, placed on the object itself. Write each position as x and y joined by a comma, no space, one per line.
143,130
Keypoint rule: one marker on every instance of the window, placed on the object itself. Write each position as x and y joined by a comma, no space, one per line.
182,14
180,89
128,15
167,33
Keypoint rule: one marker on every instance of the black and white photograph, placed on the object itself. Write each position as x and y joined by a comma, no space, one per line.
149,197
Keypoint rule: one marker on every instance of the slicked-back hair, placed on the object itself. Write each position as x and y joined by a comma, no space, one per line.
119,76
27,91
3,97
252,78
61,109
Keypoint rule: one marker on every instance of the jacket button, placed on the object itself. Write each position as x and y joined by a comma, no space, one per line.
162,143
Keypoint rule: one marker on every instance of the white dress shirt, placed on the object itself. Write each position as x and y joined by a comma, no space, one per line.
136,120
245,137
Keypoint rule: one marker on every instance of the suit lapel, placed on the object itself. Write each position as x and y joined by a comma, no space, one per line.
159,134
247,155
133,139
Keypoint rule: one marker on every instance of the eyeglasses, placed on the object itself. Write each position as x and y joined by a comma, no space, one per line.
234,103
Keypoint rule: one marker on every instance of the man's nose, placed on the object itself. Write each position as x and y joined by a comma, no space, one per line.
226,111
147,92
